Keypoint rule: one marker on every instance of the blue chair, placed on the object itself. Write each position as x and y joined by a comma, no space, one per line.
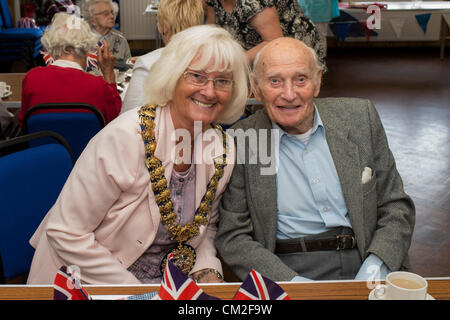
17,43
76,127
31,180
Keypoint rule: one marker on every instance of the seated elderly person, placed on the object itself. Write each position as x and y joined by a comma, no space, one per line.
330,202
65,80
173,16
101,15
150,182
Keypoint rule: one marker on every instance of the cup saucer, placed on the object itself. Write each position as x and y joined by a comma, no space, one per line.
372,296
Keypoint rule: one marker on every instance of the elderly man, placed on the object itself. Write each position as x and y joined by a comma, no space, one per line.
101,15
334,206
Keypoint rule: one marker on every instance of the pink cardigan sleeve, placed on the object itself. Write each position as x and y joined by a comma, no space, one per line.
108,166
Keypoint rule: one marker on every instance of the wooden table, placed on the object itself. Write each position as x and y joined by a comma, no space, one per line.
320,290
15,81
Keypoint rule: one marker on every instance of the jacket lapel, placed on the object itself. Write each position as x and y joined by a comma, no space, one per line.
346,160
262,187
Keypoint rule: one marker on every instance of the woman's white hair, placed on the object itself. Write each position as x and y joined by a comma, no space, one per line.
88,8
207,44
68,34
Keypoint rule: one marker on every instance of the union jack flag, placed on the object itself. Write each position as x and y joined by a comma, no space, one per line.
92,57
48,59
27,23
178,286
257,287
68,287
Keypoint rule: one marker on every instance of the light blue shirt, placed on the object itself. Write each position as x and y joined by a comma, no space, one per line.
309,198
309,194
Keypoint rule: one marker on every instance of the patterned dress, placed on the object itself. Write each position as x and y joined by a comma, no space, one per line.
293,22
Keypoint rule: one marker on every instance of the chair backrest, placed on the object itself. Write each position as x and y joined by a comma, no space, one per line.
77,127
31,180
1,20
7,19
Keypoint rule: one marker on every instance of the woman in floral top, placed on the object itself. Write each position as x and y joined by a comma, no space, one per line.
255,22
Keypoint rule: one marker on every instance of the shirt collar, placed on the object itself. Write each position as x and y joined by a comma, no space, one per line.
99,36
67,64
317,123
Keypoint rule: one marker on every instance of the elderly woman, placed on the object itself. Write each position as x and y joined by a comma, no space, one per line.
69,40
101,15
173,16
149,183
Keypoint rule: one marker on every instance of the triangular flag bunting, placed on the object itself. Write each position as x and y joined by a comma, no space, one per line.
422,20
178,286
367,31
258,287
67,286
446,17
342,29
397,25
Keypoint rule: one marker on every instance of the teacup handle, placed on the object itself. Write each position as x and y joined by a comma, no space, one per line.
8,87
380,291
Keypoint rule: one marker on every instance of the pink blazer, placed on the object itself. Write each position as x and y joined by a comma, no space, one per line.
106,215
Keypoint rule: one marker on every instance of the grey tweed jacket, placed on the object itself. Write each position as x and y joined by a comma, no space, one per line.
381,213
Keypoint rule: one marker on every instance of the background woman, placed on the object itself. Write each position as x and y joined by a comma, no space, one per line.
68,40
173,16
134,195
101,15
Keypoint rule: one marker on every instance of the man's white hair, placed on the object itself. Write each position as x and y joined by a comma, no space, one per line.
317,65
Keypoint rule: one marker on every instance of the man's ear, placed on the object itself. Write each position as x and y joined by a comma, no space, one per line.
318,83
255,87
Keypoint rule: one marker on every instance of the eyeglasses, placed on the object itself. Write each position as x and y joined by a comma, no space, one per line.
198,79
105,13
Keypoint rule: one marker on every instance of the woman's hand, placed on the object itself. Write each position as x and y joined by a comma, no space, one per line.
106,62
207,276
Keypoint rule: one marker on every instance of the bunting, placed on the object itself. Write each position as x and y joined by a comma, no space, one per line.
257,287
422,20
341,29
67,287
48,59
367,31
175,286
397,25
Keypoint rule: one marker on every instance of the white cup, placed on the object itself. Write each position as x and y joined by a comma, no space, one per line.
4,88
401,285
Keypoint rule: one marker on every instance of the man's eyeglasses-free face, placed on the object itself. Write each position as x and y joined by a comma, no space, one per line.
200,80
